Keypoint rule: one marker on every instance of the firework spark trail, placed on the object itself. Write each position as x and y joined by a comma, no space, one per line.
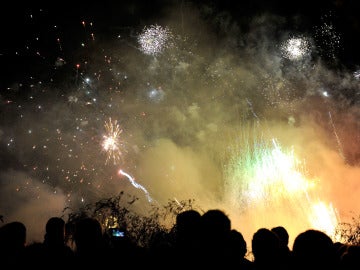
136,185
324,217
252,108
341,152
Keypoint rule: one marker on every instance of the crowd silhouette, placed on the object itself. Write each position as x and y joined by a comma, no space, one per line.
196,241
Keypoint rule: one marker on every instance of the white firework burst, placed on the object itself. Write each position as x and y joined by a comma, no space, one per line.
295,48
154,39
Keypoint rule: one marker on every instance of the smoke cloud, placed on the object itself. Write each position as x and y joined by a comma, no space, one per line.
220,115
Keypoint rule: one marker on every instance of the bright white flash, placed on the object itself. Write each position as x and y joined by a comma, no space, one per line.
154,39
295,48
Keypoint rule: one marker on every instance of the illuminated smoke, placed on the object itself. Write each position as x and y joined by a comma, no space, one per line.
357,74
156,95
261,177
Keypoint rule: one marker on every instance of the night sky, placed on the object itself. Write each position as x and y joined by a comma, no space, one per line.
245,106
35,34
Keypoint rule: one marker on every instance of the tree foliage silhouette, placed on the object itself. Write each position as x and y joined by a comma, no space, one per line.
349,232
114,212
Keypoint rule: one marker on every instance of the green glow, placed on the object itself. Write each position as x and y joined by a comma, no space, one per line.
271,182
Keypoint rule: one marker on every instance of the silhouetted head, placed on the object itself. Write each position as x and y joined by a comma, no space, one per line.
282,233
55,230
215,221
314,247
265,245
237,243
13,235
187,224
88,234
215,228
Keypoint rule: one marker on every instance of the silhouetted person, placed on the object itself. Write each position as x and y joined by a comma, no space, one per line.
52,252
215,229
314,249
265,246
91,249
54,243
283,235
187,238
187,229
237,250
12,244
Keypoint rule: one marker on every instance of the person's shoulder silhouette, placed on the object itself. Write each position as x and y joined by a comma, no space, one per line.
12,243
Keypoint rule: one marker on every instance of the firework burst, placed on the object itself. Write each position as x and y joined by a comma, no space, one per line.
154,39
111,142
295,48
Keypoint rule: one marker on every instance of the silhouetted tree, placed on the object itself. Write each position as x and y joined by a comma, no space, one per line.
114,212
349,232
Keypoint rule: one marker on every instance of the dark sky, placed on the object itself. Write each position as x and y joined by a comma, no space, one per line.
19,30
